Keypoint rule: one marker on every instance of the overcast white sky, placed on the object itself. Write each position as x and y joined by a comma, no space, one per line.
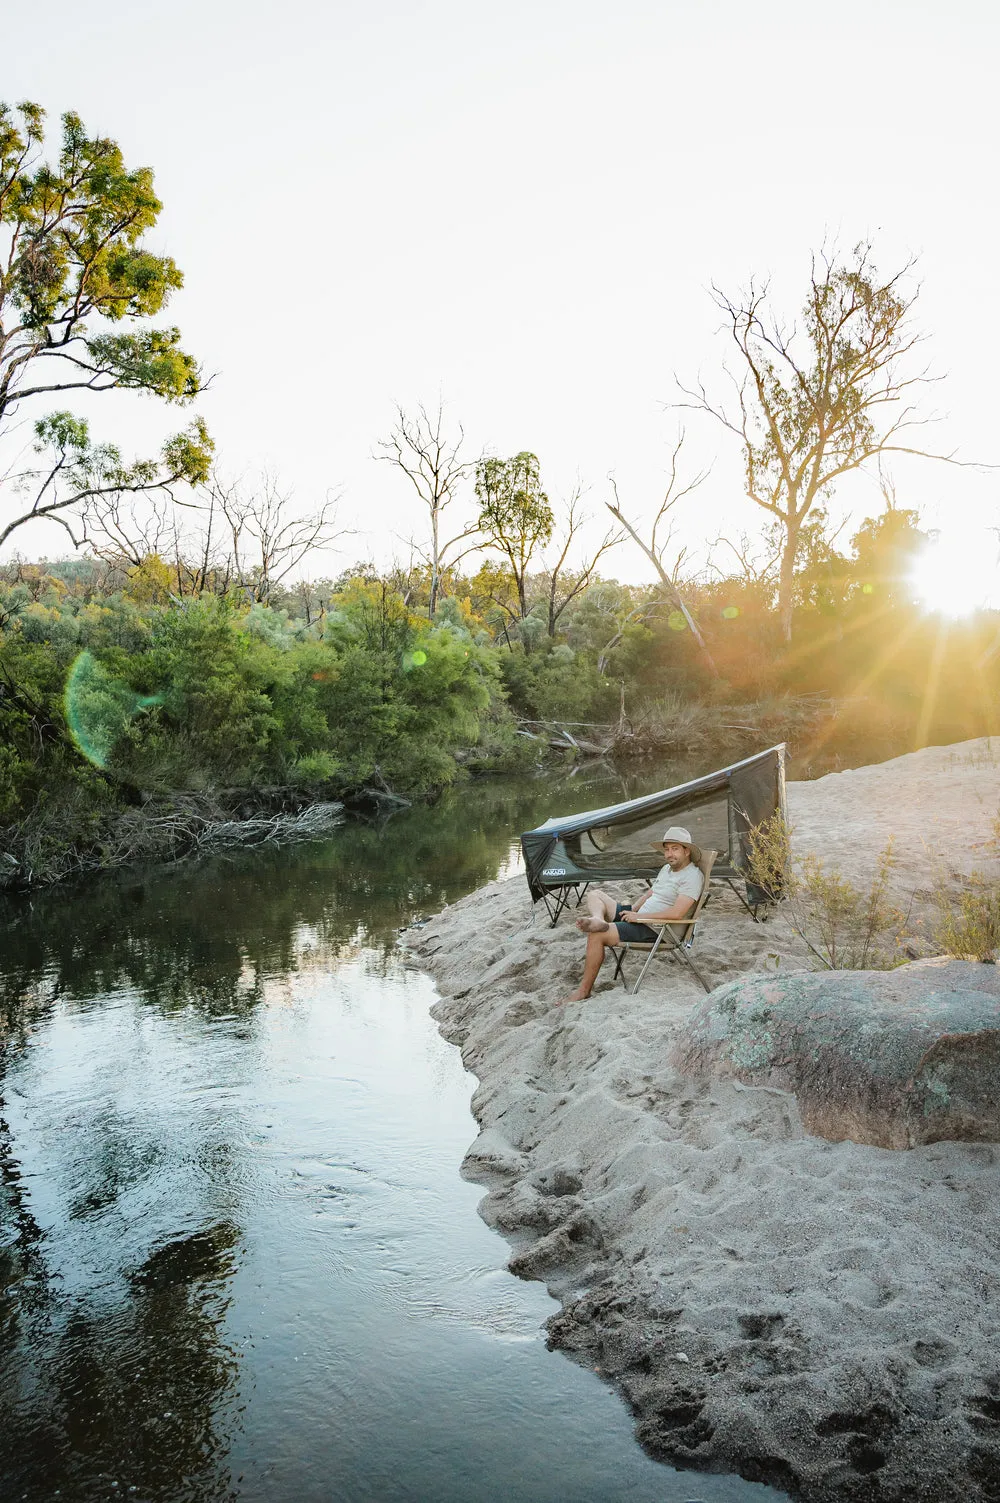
522,206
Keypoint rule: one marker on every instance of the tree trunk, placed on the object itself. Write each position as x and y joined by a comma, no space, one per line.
435,575
672,592
786,582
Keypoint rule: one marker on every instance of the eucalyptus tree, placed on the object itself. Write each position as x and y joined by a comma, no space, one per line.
78,285
515,516
819,399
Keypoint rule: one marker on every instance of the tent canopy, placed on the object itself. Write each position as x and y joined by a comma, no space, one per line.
623,840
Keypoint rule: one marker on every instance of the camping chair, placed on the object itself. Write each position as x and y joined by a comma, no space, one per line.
675,938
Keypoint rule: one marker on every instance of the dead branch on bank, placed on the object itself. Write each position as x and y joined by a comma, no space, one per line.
189,825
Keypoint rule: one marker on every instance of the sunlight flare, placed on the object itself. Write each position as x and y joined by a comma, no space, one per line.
957,574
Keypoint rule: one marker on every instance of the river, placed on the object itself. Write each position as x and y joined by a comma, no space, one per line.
237,1258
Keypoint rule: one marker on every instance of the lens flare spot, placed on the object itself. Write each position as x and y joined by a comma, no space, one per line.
730,612
955,575
867,589
676,621
98,708
419,658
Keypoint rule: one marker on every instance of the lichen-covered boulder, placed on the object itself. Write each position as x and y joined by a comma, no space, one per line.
892,1058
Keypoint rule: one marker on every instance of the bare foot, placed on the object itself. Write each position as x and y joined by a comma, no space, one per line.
592,925
576,997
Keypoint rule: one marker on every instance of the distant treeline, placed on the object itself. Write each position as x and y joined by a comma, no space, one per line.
117,691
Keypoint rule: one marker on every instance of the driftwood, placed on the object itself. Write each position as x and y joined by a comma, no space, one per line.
654,733
558,735
309,823
185,825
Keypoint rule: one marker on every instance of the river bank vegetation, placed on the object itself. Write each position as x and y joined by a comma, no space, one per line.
122,699
186,665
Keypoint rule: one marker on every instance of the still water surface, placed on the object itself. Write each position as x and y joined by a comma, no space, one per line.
237,1261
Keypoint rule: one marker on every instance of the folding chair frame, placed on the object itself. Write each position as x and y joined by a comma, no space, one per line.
677,946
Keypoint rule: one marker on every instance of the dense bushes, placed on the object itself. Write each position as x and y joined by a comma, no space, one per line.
110,702
113,690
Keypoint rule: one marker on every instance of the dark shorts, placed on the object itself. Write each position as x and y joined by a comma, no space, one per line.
632,934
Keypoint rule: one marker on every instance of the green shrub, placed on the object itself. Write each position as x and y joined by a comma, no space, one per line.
316,767
846,927
970,929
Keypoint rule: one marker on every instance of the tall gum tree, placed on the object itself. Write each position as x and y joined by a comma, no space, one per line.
77,284
820,399
515,515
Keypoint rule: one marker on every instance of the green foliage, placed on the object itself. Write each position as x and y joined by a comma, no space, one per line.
76,262
970,929
885,550
770,853
100,699
514,513
84,467
77,231
558,684
847,927
99,708
150,582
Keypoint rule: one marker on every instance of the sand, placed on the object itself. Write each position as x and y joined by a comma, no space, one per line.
821,1316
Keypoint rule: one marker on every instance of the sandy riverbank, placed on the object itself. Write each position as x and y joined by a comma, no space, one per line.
817,1315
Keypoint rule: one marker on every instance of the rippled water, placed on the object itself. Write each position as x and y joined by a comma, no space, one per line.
237,1260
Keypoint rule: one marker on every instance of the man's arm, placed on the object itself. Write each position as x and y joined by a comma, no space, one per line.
679,909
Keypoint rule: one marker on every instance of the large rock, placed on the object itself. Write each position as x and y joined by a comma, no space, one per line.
892,1058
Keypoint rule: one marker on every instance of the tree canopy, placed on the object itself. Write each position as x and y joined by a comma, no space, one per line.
818,399
77,285
515,516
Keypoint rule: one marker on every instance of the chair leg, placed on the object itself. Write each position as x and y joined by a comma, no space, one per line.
649,959
682,955
619,952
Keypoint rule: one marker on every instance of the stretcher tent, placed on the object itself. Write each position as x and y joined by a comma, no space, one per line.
565,855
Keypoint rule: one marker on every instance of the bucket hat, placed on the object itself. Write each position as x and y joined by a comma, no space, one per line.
679,835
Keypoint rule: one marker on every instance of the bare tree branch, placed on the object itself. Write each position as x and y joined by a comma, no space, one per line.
576,583
419,447
656,547
268,541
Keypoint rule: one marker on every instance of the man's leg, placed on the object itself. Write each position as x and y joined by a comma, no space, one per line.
596,946
600,911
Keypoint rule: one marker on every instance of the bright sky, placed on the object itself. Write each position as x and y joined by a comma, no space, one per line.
522,206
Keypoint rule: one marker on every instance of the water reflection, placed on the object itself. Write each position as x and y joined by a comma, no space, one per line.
235,1261
208,940
116,1368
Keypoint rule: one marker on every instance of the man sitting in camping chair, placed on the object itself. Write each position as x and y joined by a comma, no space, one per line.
673,895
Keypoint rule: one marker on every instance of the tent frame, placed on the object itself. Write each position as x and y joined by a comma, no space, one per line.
555,876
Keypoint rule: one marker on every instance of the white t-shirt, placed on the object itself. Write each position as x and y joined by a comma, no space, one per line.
668,886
